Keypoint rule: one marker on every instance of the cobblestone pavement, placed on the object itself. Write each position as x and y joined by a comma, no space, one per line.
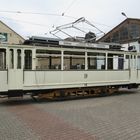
105,118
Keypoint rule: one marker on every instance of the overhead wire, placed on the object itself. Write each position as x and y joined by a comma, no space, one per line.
99,23
68,7
46,14
23,21
36,13
50,14
63,14
33,13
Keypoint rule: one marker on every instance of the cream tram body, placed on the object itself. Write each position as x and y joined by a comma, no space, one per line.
26,68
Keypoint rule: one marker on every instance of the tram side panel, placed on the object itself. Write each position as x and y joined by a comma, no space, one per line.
52,79
15,79
138,77
39,80
3,81
106,78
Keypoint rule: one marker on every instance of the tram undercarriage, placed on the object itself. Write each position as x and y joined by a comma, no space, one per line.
68,93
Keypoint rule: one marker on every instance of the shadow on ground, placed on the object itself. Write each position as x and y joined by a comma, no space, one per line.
28,100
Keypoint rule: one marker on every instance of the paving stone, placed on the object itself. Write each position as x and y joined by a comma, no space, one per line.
106,118
11,128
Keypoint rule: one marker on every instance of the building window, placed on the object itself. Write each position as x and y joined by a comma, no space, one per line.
134,31
115,37
3,37
123,33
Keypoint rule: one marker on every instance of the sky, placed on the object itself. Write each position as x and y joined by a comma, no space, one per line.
40,17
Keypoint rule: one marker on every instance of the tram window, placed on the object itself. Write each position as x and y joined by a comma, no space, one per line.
42,63
115,61
134,61
127,57
126,62
56,62
11,58
77,63
110,63
28,59
92,63
96,61
47,59
18,59
92,60
74,60
2,59
138,62
120,63
100,62
67,64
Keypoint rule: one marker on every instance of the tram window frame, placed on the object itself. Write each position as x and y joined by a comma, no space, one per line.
28,59
92,60
74,60
138,62
111,61
51,59
96,57
42,67
127,62
134,62
18,59
11,59
55,62
2,59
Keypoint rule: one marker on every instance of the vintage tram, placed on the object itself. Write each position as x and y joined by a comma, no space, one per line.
59,68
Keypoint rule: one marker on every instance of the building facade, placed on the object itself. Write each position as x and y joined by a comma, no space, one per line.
9,36
126,31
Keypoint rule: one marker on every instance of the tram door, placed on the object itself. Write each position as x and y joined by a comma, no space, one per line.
15,70
133,68
3,71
